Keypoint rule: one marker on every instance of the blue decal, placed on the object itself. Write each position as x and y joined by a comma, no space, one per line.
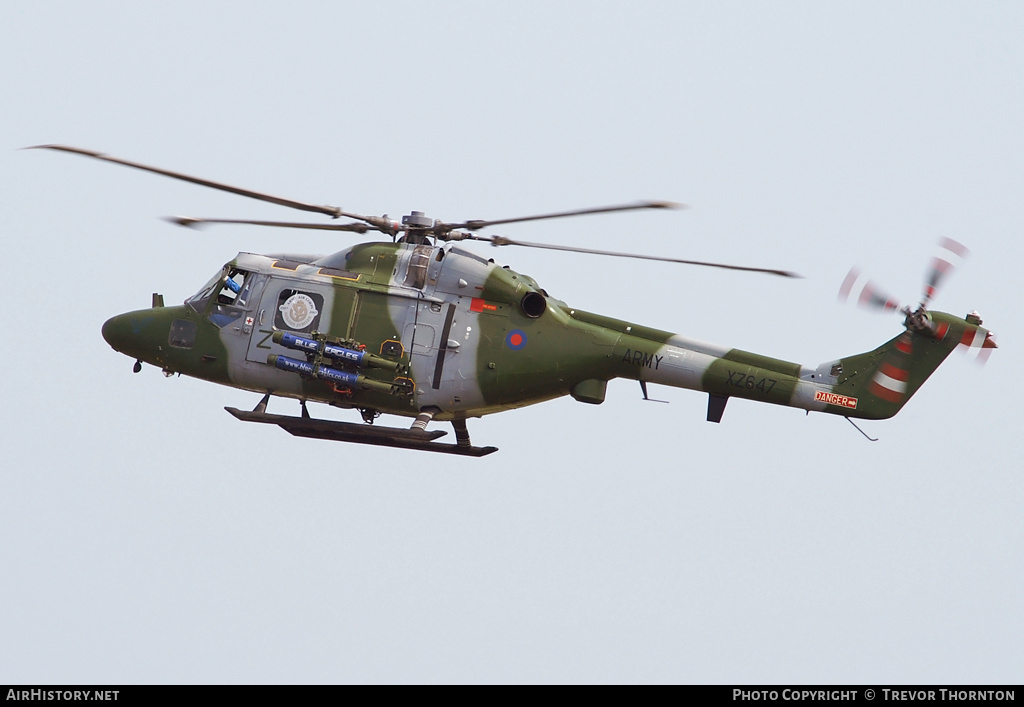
140,323
516,339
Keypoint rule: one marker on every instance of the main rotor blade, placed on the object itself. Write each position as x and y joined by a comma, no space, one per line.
189,222
501,240
332,211
477,224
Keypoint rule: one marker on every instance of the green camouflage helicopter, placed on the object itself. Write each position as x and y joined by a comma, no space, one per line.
424,328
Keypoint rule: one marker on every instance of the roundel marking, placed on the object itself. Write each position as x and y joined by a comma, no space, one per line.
516,339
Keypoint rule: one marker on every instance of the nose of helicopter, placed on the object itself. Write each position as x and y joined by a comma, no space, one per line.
117,331
160,336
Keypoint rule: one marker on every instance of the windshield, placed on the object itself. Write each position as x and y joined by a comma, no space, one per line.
199,300
230,290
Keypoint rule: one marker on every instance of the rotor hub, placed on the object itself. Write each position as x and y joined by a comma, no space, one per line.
417,219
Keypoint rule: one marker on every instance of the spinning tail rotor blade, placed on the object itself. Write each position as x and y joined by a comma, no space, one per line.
868,294
949,255
873,298
986,349
848,282
979,342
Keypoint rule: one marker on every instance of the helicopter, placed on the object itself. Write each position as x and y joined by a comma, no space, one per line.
423,328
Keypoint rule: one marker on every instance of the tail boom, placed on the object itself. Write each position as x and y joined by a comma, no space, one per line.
872,385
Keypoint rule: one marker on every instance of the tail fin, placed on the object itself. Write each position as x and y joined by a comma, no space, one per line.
881,382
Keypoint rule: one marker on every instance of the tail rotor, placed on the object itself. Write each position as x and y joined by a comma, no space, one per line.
948,256
866,293
977,344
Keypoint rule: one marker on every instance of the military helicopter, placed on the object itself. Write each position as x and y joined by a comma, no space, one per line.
423,328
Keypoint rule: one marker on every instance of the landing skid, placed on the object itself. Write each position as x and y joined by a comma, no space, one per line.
361,434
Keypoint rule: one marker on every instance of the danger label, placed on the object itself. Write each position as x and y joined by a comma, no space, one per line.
478,305
835,399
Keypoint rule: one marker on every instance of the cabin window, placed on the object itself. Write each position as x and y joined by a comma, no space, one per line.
298,310
182,334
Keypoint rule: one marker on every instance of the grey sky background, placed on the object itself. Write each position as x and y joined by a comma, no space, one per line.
147,536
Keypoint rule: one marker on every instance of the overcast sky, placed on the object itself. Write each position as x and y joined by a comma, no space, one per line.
147,536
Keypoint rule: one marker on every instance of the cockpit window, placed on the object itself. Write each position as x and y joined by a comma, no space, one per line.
231,292
232,288
199,300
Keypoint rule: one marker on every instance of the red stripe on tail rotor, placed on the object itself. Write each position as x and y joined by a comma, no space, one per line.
982,348
954,247
847,286
873,297
986,349
950,253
